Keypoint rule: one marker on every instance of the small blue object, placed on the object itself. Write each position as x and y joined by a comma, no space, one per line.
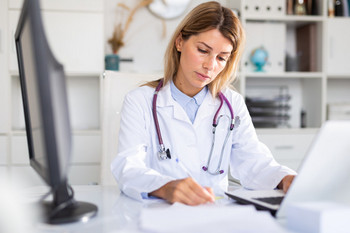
112,62
259,58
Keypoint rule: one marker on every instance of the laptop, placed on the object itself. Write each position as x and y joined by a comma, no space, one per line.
323,175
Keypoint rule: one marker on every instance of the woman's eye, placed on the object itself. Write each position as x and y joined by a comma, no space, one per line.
202,50
222,59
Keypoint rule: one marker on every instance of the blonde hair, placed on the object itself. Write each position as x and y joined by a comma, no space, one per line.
205,17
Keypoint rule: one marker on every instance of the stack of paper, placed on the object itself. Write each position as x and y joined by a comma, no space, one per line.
207,218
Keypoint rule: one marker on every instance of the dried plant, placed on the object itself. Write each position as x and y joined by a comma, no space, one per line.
117,39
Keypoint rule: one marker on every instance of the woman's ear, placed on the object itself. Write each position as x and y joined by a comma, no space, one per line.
179,42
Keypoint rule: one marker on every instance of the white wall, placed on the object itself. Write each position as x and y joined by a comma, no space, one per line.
143,42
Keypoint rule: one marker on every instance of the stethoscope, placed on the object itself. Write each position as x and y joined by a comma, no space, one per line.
164,154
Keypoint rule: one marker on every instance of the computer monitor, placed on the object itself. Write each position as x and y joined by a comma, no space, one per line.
48,130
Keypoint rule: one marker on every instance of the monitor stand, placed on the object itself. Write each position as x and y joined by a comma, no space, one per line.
65,209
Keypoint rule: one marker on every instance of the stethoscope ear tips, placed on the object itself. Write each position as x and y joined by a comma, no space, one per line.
205,168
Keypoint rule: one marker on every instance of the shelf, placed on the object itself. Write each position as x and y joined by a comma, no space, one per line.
286,18
83,100
290,19
64,5
287,131
338,90
306,94
316,75
80,74
87,132
17,132
339,18
15,73
338,76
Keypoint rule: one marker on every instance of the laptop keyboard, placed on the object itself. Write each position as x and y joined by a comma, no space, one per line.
270,200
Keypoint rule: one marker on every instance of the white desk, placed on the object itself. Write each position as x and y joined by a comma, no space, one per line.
116,213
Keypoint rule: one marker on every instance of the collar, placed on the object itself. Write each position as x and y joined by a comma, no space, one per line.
166,101
184,99
165,97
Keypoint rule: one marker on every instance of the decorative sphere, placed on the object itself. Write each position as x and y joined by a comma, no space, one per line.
259,58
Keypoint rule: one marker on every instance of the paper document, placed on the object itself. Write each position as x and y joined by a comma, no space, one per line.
207,218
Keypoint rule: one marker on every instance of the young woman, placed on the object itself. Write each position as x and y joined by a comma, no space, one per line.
180,135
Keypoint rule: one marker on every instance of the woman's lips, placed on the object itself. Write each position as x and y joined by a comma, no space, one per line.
202,76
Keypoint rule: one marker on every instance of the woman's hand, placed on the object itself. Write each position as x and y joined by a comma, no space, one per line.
285,183
186,191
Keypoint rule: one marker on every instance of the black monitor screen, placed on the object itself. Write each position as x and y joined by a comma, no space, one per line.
44,99
48,130
34,114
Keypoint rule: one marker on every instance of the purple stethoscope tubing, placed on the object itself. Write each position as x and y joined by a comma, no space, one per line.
218,170
165,153
215,124
162,153
154,111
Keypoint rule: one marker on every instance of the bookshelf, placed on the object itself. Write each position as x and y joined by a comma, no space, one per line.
71,28
313,91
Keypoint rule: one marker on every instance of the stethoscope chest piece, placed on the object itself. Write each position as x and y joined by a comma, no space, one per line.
164,154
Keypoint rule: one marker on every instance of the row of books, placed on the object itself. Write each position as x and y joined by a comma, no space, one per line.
338,8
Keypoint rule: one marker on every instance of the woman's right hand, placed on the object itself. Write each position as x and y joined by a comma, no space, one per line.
186,191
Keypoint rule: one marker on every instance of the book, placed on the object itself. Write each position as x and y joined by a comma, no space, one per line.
306,36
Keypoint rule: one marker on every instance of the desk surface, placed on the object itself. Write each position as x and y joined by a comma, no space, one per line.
117,212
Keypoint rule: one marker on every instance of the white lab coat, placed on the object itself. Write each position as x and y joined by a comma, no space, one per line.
137,168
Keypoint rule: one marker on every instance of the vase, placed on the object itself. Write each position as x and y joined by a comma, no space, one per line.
112,62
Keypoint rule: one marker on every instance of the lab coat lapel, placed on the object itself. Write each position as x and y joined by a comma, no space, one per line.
166,101
207,108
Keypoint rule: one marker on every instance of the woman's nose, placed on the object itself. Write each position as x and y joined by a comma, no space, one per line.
209,63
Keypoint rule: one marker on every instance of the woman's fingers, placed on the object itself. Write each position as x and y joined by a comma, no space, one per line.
286,182
204,193
186,191
189,192
210,190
